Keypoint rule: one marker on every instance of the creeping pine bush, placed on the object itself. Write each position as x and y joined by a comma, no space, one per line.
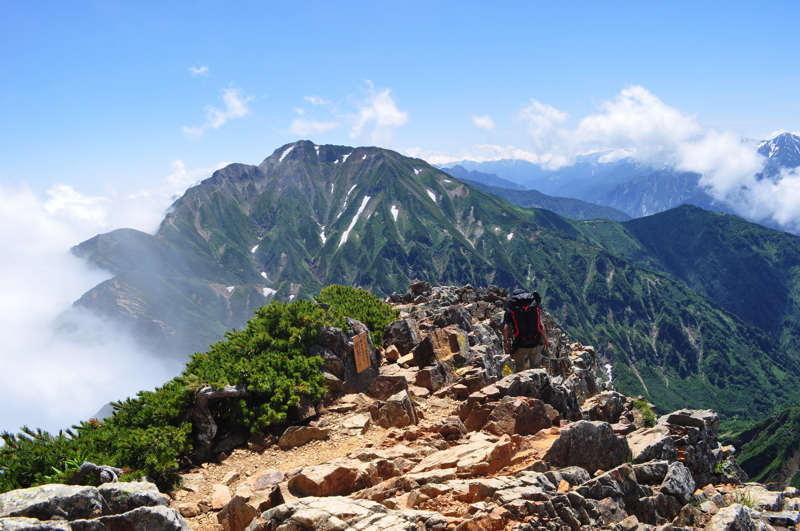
345,301
148,435
648,416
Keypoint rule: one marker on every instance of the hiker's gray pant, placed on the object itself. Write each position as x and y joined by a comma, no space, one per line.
527,358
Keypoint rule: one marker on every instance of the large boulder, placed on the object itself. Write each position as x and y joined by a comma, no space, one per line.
402,335
516,415
124,497
735,518
454,315
300,435
340,342
606,407
48,501
619,483
589,445
386,385
142,519
652,444
398,412
678,482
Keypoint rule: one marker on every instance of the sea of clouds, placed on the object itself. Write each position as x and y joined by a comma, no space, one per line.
61,364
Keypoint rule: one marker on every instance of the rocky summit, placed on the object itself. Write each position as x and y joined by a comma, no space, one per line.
440,433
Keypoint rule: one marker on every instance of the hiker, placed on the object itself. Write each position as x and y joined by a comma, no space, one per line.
529,338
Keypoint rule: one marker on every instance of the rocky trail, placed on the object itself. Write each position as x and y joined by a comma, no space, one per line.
439,433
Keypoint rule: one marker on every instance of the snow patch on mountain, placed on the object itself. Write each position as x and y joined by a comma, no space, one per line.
253,250
364,157
355,219
448,181
416,171
264,274
395,211
317,149
344,158
510,235
268,291
432,195
230,289
331,187
322,235
290,148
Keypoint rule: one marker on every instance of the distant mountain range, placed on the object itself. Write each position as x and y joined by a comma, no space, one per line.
692,308
633,188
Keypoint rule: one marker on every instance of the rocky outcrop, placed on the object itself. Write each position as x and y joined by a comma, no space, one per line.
112,506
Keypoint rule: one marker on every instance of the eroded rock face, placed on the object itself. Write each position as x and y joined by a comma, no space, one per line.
124,497
589,445
402,335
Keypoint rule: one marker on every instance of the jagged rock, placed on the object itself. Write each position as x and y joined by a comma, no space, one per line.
678,482
653,443
124,497
332,383
300,435
398,412
391,353
432,378
482,455
651,473
237,514
606,407
574,475
48,501
619,483
142,519
424,353
192,482
515,415
589,445
401,335
451,428
334,478
735,518
338,514
455,315
386,385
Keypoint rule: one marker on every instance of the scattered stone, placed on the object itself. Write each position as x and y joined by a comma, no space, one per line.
300,435
220,497
398,412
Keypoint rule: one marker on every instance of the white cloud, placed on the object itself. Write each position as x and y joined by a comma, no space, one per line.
378,109
306,126
66,362
483,122
141,209
235,107
316,100
199,71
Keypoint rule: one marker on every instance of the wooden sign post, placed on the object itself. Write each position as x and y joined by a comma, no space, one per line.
361,351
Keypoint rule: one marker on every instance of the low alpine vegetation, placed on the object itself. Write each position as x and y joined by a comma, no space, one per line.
149,434
344,301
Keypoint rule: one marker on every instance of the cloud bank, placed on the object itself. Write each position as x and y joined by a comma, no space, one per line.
62,364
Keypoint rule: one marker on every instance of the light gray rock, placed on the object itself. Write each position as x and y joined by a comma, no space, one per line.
21,523
46,501
590,445
124,497
678,482
734,518
651,473
143,519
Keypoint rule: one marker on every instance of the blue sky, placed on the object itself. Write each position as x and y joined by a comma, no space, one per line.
109,110
97,94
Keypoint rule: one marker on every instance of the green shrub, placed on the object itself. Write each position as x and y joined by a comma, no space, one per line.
360,305
648,416
148,435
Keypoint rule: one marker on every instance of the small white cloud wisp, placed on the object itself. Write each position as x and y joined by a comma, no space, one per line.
199,71
62,363
378,110
483,122
235,107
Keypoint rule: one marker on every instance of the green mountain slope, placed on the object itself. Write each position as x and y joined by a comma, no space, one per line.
310,216
769,451
563,206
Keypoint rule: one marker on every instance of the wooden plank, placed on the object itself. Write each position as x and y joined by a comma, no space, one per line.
361,344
